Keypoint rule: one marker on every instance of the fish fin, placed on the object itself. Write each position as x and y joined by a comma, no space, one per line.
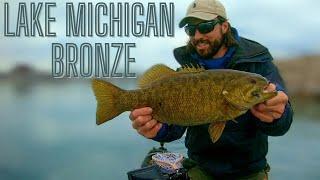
155,73
191,68
216,129
105,94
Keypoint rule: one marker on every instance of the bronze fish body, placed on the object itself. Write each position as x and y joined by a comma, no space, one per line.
192,96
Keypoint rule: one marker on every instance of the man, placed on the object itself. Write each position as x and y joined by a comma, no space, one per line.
241,151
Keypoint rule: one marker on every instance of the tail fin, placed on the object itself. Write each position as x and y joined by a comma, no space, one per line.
107,107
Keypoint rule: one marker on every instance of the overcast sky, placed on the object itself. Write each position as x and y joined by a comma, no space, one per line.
288,28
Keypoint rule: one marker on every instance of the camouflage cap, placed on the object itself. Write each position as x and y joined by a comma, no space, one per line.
205,10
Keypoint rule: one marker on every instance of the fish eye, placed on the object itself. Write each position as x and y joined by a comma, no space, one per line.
253,81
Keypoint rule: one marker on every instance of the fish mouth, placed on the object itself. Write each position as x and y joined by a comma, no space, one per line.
266,94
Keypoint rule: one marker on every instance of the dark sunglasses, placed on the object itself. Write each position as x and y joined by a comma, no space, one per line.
203,28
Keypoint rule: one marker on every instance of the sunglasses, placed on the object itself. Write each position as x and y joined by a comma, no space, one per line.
203,28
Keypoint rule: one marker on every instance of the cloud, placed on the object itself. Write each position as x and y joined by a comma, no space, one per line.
288,28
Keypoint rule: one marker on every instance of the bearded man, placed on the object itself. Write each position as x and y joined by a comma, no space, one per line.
241,151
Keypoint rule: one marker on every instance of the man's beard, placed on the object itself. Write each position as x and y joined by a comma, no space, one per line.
208,53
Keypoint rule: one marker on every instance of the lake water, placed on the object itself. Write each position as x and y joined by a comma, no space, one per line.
48,131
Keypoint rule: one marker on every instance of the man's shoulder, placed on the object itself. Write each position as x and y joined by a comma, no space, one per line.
180,51
249,51
250,48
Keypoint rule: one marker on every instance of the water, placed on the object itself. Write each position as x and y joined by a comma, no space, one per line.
48,131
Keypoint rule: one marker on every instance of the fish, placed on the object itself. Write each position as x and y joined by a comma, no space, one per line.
189,97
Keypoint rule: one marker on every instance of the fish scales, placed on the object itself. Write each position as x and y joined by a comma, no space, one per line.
186,100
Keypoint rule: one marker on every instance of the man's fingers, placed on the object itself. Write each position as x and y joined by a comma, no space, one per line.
281,98
271,109
140,121
155,130
267,114
148,126
275,109
271,87
140,112
276,115
266,117
152,132
144,124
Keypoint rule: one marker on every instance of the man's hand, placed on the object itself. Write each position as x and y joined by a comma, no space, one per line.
271,109
143,122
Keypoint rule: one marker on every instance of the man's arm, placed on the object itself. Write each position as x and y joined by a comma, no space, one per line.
274,117
169,133
150,128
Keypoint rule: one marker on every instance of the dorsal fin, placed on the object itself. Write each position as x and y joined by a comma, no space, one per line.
156,72
191,68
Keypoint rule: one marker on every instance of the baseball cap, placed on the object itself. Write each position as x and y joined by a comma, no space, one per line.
205,10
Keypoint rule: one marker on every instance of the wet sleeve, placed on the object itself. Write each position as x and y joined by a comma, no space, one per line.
169,133
280,126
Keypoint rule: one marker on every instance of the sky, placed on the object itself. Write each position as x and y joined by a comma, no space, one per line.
288,28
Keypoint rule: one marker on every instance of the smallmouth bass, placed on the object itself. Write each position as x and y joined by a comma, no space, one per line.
190,97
